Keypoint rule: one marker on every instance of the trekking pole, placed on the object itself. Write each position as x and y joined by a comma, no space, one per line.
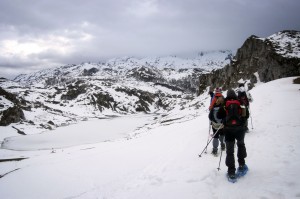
210,140
250,117
209,128
220,161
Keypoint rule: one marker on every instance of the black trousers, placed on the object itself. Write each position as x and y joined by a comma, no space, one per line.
233,134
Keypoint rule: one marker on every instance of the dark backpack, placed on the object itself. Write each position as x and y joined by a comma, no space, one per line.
243,99
233,113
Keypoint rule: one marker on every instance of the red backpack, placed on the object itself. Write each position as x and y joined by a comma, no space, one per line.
233,113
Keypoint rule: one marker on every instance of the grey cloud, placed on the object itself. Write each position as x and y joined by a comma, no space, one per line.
138,27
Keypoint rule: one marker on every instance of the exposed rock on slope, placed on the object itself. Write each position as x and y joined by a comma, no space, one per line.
11,114
267,59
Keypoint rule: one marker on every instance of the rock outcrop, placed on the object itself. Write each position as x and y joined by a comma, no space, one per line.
259,59
11,114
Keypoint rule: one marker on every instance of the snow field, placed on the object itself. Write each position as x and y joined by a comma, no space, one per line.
163,161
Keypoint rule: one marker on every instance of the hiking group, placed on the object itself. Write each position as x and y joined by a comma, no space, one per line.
229,122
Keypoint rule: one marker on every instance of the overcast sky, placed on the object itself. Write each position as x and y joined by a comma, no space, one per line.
37,34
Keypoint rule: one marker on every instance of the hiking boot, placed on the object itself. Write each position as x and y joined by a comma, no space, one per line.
215,151
223,147
231,177
242,170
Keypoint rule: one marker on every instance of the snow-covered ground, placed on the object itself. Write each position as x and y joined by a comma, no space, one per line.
162,161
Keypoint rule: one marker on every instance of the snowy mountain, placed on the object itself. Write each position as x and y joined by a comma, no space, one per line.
144,156
169,68
55,97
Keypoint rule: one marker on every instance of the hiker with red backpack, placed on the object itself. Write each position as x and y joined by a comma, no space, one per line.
218,93
245,98
216,123
234,118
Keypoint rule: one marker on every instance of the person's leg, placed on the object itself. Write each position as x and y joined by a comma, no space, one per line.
215,141
241,148
241,154
230,162
221,139
246,126
215,145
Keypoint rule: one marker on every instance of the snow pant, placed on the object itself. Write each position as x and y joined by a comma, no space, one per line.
218,137
246,124
232,134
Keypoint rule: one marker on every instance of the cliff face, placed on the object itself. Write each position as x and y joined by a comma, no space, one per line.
268,59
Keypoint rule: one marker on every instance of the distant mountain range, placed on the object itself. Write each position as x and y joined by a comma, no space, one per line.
58,96
166,68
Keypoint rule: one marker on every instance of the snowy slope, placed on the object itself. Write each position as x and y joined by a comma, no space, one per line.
286,43
161,160
47,110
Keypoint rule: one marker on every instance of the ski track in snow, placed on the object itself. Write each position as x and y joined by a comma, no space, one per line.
164,162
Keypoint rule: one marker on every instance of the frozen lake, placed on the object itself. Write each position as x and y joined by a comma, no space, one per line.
85,132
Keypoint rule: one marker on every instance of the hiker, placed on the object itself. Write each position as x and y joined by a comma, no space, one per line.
218,93
245,98
217,125
233,119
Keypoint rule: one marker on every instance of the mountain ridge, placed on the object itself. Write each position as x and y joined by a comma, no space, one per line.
118,67
258,60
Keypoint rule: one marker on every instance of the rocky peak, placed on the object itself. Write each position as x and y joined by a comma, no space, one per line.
259,59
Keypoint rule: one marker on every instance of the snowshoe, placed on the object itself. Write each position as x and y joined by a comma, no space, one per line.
231,178
214,152
242,170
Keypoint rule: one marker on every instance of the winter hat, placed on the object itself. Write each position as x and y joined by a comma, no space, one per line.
218,90
231,94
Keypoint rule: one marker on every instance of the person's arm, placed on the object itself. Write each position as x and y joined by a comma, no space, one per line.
221,114
211,115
